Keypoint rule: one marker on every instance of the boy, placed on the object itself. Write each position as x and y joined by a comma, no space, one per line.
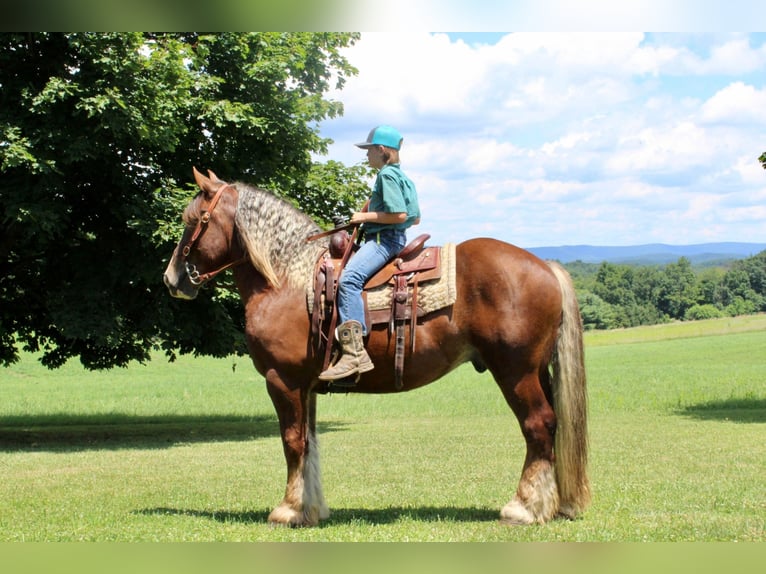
393,209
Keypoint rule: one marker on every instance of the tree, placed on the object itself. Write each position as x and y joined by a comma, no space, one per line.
678,289
699,312
755,267
98,135
595,312
744,286
333,191
710,287
762,159
616,285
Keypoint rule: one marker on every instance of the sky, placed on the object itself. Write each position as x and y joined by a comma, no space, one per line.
563,138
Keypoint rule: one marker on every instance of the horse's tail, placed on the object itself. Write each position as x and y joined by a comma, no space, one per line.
570,403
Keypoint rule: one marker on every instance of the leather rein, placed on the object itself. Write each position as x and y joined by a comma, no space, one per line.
195,277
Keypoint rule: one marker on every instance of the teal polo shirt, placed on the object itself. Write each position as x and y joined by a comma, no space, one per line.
393,192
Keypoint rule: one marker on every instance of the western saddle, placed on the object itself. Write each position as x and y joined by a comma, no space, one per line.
411,266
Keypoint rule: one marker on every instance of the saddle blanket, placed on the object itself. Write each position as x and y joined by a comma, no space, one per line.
433,295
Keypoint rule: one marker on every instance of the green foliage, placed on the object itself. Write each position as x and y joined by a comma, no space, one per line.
98,135
596,313
618,296
676,289
700,312
333,191
629,293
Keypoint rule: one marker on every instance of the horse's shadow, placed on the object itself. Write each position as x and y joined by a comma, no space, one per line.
737,410
341,516
65,432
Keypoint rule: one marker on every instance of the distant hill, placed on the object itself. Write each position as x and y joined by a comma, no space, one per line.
650,254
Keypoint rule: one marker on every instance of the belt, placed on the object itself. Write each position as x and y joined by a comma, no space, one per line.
376,235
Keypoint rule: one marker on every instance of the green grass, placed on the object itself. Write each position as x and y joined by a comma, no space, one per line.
190,450
678,330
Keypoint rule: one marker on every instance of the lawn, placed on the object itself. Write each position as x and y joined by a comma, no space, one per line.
190,450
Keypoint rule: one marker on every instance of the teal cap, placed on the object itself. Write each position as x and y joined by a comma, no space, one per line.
383,135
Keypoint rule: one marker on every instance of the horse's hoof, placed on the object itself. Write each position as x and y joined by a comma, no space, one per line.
283,515
515,514
567,512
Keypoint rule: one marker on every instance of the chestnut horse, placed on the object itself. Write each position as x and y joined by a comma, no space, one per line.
515,315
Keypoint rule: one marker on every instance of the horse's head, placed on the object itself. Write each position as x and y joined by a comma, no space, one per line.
208,245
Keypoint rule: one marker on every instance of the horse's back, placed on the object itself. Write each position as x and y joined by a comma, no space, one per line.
505,291
489,265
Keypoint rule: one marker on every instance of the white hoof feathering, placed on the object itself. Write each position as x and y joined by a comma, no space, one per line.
537,498
515,513
285,515
304,503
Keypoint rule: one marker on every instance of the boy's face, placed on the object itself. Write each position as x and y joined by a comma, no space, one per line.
375,156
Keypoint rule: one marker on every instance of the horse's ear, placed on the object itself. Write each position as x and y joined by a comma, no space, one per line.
198,177
205,184
213,176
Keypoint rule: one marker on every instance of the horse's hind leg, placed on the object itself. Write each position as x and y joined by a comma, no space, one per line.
536,499
303,504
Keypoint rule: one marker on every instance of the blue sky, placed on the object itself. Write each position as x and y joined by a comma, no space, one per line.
565,138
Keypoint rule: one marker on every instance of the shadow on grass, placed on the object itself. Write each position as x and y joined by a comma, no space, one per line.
744,410
115,431
343,516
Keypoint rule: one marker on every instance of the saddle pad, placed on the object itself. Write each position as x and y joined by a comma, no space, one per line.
432,295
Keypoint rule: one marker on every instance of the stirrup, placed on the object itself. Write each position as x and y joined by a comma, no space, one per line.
344,385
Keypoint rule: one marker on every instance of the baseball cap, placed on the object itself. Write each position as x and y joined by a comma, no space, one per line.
382,135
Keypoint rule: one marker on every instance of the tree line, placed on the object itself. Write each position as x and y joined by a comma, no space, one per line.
618,295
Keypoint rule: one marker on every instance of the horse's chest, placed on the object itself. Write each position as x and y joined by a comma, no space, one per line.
277,324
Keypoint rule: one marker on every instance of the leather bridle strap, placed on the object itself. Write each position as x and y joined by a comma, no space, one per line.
203,221
195,276
198,278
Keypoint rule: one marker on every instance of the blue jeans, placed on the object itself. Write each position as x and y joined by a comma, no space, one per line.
375,252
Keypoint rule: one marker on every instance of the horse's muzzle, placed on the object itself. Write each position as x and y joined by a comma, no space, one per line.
178,292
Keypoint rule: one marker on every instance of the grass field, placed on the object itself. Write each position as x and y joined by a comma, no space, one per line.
190,450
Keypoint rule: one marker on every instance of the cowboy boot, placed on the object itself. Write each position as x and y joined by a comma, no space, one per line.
354,359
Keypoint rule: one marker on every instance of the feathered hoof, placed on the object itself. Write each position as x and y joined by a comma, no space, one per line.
284,515
516,514
567,512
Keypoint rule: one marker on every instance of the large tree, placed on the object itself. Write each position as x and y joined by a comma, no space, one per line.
98,135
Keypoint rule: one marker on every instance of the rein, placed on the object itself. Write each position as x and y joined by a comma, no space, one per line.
195,277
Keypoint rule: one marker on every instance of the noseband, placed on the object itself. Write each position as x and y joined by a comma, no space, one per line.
195,277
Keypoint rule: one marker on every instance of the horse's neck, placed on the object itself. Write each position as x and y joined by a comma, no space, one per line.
249,283
254,289
271,313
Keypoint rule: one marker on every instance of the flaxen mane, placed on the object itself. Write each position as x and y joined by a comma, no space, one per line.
274,234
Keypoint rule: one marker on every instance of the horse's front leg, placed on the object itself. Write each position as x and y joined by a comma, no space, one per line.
303,504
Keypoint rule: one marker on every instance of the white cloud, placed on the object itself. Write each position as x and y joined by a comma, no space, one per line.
566,142
736,103
751,172
662,148
570,138
735,57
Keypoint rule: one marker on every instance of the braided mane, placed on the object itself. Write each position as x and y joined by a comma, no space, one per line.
274,233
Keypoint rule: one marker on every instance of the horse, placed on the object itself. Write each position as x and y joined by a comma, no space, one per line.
514,315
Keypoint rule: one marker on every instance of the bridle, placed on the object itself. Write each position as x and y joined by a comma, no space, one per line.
195,277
